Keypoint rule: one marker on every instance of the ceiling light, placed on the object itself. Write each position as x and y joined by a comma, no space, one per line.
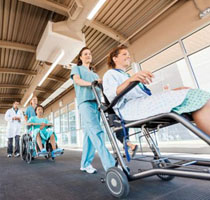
95,9
52,67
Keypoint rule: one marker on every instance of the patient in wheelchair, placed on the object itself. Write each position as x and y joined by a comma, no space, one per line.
139,103
40,133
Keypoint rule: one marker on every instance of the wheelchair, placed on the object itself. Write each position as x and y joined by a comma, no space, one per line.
166,168
30,149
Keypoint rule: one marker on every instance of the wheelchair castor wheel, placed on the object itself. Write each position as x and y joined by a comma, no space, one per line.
117,182
28,157
163,164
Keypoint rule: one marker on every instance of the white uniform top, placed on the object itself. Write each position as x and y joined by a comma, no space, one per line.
136,104
13,126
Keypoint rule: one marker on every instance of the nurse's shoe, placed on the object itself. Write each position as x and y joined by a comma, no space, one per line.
17,155
89,169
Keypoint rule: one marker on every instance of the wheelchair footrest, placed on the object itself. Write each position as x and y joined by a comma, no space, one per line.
56,152
41,154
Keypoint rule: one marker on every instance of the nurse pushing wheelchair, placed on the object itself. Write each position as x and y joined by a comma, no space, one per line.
40,141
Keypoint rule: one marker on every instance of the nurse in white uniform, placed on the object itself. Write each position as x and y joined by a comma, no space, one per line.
14,117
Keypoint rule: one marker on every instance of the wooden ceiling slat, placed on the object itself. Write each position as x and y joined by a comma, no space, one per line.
6,19
12,19
132,9
2,57
126,23
1,17
27,22
117,11
105,9
22,26
17,21
39,26
29,39
110,12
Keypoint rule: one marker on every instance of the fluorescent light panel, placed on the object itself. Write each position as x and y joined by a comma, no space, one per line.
29,98
52,67
96,9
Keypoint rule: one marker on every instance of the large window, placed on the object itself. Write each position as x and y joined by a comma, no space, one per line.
64,120
72,123
186,63
57,122
201,65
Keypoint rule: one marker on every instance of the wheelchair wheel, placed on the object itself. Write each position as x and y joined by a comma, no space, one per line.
162,164
23,148
28,157
117,182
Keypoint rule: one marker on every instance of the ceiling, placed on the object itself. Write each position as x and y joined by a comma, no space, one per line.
22,23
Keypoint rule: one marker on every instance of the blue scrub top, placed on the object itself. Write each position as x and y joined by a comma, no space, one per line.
30,112
84,93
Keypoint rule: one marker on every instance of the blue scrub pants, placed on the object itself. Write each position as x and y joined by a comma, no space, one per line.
93,136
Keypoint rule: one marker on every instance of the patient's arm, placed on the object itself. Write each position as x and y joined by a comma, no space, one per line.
143,76
181,88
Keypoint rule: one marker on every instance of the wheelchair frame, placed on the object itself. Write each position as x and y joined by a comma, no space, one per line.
117,177
29,146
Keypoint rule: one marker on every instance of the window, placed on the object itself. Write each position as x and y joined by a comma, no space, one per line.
57,122
172,76
166,57
72,123
201,65
64,120
197,40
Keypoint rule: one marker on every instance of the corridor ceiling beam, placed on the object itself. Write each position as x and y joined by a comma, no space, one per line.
17,71
48,5
17,46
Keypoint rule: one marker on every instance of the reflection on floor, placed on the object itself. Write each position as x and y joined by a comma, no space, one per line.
62,180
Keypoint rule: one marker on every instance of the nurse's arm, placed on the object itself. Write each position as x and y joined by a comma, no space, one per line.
80,81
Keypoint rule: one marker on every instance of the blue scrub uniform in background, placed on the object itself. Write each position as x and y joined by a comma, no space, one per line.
93,133
30,112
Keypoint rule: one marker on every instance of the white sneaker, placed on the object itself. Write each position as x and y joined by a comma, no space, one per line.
89,169
9,155
17,155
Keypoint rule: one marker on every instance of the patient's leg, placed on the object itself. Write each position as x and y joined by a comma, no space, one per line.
39,141
52,141
202,118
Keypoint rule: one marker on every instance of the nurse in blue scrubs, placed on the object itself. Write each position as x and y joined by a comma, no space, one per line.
30,110
82,76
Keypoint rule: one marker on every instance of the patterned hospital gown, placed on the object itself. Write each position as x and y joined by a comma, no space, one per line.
136,104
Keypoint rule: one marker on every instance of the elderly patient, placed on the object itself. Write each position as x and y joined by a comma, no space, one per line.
39,126
139,103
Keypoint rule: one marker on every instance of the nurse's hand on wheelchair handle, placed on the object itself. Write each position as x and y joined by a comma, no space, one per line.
99,81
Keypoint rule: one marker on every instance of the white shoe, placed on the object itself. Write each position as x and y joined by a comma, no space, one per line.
17,155
9,155
89,169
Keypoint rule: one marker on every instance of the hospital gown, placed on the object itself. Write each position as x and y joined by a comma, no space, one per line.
136,104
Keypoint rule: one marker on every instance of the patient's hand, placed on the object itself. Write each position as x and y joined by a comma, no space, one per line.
143,76
182,88
43,125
